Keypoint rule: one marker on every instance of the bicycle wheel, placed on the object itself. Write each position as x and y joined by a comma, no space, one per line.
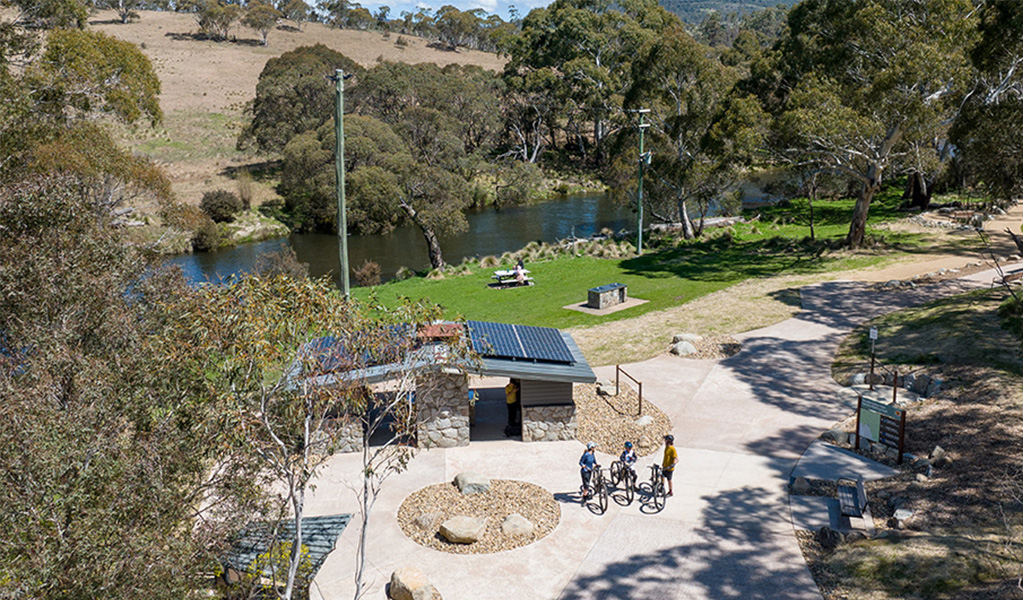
630,486
659,495
616,472
602,496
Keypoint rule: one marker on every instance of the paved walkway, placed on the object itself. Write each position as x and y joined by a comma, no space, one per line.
741,425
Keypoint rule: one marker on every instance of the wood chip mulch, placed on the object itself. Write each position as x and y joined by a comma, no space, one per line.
423,511
611,421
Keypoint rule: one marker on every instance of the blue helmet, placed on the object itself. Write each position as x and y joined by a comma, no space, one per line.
628,444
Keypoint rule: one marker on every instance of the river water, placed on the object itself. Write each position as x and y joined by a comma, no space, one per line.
491,232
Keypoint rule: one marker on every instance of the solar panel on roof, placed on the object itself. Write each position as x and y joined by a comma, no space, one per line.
499,340
544,343
495,339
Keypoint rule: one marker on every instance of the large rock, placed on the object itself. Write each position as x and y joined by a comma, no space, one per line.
463,530
692,338
920,383
829,539
644,421
858,379
515,525
470,482
835,436
408,583
683,348
428,521
800,486
940,458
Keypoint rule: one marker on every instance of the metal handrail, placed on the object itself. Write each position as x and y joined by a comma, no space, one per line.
620,371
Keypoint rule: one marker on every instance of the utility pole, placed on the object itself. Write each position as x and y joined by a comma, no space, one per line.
644,160
339,169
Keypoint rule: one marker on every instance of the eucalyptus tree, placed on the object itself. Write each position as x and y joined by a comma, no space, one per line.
109,442
701,134
262,18
986,132
585,48
864,82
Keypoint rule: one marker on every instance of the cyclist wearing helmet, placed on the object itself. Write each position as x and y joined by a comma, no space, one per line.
628,457
586,466
669,462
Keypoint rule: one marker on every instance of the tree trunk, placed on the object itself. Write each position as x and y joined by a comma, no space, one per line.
687,224
918,192
432,243
858,226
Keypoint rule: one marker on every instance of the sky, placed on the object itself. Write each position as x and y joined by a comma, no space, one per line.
498,7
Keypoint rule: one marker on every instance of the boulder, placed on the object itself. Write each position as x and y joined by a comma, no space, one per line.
692,338
920,464
828,538
683,348
908,381
940,458
644,421
470,482
428,521
607,390
921,478
605,383
933,388
515,524
876,378
858,379
463,530
800,486
920,383
855,536
408,583
835,436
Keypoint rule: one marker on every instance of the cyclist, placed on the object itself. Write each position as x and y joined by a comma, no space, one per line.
628,458
586,465
669,462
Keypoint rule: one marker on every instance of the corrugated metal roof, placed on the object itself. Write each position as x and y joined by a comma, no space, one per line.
319,535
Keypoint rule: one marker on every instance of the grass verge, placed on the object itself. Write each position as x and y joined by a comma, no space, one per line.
965,538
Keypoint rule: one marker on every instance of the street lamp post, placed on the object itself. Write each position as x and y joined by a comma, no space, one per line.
339,166
644,160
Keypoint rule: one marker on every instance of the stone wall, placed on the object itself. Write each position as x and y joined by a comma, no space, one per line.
442,400
548,423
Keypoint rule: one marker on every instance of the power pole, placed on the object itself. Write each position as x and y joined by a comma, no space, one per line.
339,170
644,160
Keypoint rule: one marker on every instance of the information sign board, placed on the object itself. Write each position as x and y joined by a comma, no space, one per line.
881,423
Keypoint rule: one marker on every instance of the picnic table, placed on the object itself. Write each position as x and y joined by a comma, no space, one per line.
509,277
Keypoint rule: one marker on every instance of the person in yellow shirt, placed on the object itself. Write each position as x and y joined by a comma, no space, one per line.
511,397
669,462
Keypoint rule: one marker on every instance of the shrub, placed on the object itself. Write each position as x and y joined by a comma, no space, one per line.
207,237
368,274
221,205
404,273
283,262
489,262
401,42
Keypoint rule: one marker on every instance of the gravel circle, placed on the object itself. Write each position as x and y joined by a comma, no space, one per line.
611,421
422,512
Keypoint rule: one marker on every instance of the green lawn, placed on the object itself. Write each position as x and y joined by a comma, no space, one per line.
670,273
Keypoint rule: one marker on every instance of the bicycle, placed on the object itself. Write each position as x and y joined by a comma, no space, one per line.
599,488
620,472
658,492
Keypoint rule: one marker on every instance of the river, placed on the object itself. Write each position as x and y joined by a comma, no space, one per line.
491,232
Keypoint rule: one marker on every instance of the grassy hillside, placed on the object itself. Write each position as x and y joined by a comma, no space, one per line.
206,84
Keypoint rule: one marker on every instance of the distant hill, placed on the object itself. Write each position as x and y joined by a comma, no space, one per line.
693,11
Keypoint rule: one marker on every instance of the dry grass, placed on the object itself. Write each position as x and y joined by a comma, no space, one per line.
206,84
968,521
748,305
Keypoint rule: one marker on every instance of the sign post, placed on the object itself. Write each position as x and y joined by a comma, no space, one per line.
882,423
873,339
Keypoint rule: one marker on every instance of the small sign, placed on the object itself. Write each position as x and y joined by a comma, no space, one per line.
873,333
880,422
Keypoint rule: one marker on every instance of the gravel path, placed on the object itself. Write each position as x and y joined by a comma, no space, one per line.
424,510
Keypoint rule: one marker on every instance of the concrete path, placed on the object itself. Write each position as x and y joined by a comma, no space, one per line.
741,424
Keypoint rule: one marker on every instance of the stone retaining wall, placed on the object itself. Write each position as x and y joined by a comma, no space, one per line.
548,423
443,403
